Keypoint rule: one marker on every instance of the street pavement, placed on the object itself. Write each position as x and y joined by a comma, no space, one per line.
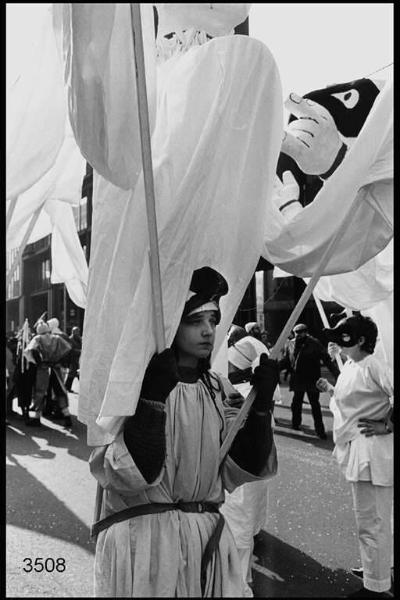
305,549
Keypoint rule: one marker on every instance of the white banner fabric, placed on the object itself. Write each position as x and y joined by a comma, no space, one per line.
365,176
215,147
35,98
102,98
69,264
364,288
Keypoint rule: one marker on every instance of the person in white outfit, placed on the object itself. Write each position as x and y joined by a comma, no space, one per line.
245,509
361,402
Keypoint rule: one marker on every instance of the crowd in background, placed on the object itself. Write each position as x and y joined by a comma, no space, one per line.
42,362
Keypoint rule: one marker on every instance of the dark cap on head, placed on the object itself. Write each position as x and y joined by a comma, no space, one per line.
300,328
207,285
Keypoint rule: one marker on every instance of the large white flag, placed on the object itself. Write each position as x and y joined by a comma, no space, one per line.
365,176
100,72
36,106
215,147
54,194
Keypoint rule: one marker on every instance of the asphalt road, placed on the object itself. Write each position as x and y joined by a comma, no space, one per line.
305,550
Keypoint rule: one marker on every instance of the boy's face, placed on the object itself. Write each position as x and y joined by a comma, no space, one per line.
196,335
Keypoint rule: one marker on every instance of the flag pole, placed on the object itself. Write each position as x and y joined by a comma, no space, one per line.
275,351
145,139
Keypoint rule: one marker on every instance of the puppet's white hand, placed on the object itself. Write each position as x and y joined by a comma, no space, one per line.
286,195
312,140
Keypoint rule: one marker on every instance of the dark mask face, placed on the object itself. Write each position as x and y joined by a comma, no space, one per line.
348,103
345,333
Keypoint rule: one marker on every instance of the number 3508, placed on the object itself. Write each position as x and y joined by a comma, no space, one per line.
44,564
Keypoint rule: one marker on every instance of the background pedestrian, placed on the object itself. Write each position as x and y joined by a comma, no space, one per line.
75,341
303,357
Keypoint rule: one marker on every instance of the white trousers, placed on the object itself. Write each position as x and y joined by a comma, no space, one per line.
373,511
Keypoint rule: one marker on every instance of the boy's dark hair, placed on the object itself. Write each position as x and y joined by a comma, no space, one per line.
368,329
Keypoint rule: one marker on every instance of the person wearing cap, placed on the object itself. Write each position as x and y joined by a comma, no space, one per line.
253,328
161,532
245,509
46,350
241,356
303,357
361,403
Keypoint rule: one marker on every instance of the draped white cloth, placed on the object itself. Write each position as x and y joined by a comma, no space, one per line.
369,289
219,118
55,193
363,288
69,264
102,97
45,168
35,98
365,176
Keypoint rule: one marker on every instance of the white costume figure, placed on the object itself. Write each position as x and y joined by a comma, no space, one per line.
216,139
362,403
245,508
329,123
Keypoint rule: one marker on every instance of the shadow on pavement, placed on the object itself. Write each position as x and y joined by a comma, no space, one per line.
286,572
283,427
53,432
32,506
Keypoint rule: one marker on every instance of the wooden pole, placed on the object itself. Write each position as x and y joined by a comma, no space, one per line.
148,175
147,163
21,249
290,323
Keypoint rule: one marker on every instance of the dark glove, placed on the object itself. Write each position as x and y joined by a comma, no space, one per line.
265,379
161,376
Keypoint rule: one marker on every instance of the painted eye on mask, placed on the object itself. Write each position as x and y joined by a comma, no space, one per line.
349,99
346,337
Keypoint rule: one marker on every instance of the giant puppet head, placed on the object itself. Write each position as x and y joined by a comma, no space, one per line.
324,122
322,125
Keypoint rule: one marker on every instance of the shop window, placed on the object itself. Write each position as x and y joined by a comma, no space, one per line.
40,273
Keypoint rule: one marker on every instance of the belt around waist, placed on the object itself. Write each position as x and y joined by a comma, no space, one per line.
151,509
160,507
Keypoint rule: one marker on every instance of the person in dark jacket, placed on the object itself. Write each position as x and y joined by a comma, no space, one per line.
303,357
75,341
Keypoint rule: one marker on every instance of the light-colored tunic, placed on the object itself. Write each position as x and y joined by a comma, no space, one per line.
363,391
160,555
